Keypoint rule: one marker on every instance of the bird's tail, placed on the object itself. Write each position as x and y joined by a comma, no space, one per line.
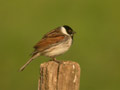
33,57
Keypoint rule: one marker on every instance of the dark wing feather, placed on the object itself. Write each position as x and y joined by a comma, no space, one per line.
46,42
49,39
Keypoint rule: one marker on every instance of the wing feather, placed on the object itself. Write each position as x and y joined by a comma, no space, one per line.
47,42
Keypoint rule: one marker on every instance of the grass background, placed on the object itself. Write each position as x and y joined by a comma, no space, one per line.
96,45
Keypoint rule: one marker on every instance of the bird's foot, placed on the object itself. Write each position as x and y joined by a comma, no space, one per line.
55,60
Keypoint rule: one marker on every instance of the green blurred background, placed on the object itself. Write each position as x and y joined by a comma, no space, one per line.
96,45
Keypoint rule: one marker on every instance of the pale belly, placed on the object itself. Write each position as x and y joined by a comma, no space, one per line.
58,49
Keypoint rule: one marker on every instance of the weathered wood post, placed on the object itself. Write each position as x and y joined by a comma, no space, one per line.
59,76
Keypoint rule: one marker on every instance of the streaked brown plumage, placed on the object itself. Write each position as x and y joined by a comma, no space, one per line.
53,44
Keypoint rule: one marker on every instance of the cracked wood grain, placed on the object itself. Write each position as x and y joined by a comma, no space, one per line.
59,76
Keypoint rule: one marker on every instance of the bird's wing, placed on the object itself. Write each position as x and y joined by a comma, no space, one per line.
49,39
47,42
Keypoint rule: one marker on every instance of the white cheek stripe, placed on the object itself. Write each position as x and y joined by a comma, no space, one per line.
64,31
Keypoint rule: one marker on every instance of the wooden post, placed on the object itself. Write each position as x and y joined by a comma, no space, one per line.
59,76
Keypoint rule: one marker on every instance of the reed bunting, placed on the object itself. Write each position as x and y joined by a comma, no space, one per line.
54,43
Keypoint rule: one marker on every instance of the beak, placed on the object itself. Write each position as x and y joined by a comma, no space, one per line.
74,32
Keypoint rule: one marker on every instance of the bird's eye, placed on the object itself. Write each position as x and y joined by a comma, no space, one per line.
70,31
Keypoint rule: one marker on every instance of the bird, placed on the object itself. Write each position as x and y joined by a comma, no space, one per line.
53,44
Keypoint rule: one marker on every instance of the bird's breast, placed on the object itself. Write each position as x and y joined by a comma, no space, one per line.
58,49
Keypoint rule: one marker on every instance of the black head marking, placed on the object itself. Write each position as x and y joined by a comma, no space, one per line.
68,29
